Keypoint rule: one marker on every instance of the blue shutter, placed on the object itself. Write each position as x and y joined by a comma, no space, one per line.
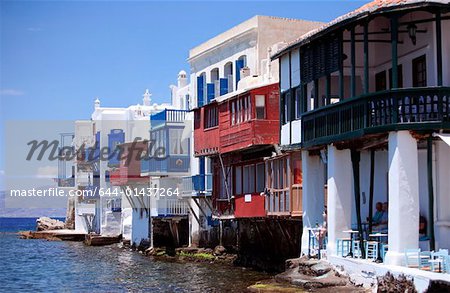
200,93
223,86
239,66
210,91
115,137
201,165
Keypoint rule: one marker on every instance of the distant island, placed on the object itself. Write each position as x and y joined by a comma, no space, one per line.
28,212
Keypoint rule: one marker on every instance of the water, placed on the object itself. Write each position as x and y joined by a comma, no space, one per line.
39,265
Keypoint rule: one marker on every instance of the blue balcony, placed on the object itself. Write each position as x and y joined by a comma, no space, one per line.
197,185
167,116
172,164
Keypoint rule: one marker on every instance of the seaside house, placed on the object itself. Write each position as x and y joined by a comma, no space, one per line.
102,207
366,99
169,161
236,125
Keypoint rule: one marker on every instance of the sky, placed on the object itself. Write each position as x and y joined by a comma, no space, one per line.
56,57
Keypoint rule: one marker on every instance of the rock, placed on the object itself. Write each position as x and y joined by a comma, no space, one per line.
321,268
218,250
149,251
45,224
389,283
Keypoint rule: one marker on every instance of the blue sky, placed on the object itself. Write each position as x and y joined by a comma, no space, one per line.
57,56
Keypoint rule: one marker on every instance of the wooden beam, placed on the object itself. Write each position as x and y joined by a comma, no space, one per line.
439,48
341,66
366,58
353,62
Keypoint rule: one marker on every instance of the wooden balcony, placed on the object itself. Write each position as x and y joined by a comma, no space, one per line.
425,109
197,185
250,133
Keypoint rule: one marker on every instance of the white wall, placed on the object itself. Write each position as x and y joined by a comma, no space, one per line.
442,187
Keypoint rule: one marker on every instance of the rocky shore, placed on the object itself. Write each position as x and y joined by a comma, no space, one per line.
307,274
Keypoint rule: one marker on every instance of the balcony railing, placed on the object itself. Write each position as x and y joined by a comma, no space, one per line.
197,185
172,207
167,116
398,109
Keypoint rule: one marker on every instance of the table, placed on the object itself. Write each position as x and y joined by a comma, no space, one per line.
312,233
379,235
351,232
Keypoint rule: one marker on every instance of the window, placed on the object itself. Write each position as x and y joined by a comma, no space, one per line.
295,68
249,178
228,74
285,74
260,104
298,102
260,177
211,117
241,110
380,81
419,67
286,97
399,77
233,113
238,179
278,183
197,117
177,145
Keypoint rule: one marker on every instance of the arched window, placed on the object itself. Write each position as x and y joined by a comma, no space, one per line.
244,59
228,74
214,74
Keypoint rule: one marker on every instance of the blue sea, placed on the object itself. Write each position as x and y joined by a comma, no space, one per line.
55,266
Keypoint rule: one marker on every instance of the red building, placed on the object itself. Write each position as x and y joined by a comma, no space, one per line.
237,131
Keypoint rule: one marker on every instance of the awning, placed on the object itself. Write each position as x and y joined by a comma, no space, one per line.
444,137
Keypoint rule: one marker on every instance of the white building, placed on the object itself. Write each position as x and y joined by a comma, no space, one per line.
108,211
366,100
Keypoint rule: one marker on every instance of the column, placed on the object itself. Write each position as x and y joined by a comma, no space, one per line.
312,195
403,197
340,194
194,225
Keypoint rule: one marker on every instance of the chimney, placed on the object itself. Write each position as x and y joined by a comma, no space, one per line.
245,71
182,79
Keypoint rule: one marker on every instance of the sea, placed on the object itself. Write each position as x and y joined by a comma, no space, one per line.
58,266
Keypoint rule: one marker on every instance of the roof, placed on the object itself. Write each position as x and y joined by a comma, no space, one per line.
376,6
246,27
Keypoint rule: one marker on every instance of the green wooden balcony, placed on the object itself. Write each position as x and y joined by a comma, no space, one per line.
398,109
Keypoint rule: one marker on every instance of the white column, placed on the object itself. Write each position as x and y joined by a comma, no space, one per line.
194,226
403,196
340,195
442,200
312,195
